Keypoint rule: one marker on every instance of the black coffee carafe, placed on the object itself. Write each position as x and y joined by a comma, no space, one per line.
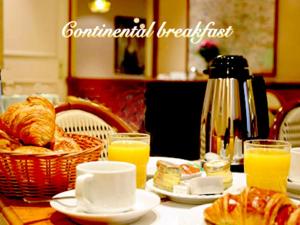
234,109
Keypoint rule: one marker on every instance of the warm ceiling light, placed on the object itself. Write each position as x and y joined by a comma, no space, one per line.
99,6
136,20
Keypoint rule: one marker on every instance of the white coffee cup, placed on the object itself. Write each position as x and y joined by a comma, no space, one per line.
294,174
105,186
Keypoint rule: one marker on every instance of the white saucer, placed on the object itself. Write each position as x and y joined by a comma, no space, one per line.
151,166
145,201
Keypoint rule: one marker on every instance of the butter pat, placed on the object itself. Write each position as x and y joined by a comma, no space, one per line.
181,189
206,185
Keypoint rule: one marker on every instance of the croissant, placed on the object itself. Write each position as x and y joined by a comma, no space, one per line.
253,206
66,144
58,132
32,121
62,143
8,143
32,150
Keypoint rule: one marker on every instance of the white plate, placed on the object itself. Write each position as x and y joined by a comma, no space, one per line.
145,201
293,187
181,198
238,184
151,166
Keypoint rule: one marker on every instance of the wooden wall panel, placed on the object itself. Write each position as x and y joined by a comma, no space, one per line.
35,53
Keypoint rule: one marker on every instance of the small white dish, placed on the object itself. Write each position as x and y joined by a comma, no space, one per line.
145,201
239,183
293,187
151,166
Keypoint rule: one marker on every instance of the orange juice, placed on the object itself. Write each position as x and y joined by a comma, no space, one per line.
136,152
267,168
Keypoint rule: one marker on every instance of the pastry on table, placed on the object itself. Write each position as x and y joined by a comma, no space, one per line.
167,175
253,206
32,121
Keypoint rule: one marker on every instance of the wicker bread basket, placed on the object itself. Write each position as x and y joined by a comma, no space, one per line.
42,175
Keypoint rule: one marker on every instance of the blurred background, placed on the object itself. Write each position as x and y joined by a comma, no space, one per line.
36,58
155,84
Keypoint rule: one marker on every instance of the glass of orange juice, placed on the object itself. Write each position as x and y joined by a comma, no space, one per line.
133,148
267,163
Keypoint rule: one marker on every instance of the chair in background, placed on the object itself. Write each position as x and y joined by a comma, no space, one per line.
85,117
286,124
274,104
7,100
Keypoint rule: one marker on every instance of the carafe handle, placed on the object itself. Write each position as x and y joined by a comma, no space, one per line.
261,105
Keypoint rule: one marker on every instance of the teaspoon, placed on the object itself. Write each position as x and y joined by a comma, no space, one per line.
41,200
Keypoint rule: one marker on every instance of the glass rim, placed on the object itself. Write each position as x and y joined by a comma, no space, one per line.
96,167
267,143
129,135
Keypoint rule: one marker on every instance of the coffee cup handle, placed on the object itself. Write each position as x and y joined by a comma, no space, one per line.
81,189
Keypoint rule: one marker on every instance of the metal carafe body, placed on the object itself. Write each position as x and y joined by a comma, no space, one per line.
229,113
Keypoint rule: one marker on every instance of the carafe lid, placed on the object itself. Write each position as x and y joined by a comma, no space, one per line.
229,66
